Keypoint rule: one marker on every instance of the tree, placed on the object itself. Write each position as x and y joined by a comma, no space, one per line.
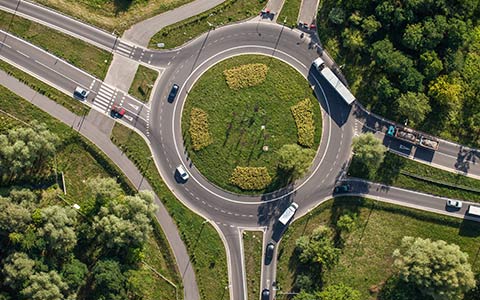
447,94
58,229
346,222
17,269
46,286
109,281
74,274
370,25
368,150
414,106
102,190
439,269
339,292
431,64
13,217
125,223
352,39
295,160
411,80
318,248
413,36
336,15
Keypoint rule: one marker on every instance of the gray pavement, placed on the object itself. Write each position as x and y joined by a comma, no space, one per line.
275,6
308,11
96,128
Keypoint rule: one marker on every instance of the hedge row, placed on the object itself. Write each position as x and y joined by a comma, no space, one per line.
251,178
245,75
199,134
303,115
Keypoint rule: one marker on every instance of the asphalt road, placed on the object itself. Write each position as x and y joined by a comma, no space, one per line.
161,123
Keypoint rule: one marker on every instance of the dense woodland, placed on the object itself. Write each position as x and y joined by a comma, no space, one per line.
411,59
50,250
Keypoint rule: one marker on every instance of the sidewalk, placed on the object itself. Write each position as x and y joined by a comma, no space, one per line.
95,128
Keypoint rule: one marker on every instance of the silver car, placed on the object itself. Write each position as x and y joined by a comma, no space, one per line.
182,172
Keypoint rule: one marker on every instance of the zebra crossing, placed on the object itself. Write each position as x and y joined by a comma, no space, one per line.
125,49
105,98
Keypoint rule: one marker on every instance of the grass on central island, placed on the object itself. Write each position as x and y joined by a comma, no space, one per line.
252,247
366,258
235,119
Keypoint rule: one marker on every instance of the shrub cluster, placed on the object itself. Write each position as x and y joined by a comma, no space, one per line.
245,75
199,134
250,178
303,115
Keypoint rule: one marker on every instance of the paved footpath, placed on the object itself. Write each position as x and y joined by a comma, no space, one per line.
97,127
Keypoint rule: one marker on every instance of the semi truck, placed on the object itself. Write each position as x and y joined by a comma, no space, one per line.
341,89
288,214
415,138
473,211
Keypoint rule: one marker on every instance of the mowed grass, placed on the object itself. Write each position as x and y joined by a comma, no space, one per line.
252,248
143,83
68,102
79,160
396,170
366,259
205,247
116,15
229,11
89,58
235,119
289,12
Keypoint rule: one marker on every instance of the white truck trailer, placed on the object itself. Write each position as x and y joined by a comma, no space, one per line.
473,211
288,214
341,89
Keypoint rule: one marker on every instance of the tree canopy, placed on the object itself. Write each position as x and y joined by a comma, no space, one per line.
295,160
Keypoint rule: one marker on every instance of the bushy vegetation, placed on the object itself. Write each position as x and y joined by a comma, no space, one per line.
294,160
251,178
415,60
289,13
143,82
229,11
245,75
303,116
368,153
199,134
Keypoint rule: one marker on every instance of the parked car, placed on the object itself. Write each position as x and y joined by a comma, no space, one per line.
173,93
454,204
266,294
269,253
344,188
182,172
313,26
80,93
391,130
117,112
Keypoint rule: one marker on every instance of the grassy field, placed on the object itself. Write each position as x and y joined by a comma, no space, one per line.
396,170
80,54
116,15
289,12
202,241
366,258
68,102
79,160
229,11
235,119
252,248
143,83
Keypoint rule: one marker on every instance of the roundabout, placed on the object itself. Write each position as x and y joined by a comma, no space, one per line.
246,127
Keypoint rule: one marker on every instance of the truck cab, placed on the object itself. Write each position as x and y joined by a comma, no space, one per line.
319,64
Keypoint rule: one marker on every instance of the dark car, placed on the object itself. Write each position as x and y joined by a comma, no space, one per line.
344,188
269,253
173,93
266,294
117,112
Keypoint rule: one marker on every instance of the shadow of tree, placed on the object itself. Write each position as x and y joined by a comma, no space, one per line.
396,289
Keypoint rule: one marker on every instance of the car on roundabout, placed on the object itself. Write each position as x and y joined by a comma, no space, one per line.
173,93
182,173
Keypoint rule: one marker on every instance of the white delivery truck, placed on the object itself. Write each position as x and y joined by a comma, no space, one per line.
341,89
473,211
288,213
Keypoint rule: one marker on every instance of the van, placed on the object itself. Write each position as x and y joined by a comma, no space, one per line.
288,214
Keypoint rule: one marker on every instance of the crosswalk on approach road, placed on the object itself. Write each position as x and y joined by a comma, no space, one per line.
105,98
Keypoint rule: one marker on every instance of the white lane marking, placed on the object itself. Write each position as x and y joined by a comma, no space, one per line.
136,107
20,52
6,45
243,53
128,118
58,73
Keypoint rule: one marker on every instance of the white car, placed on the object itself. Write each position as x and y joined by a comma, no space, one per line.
454,203
183,173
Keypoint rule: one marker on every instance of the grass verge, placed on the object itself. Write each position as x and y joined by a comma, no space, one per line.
252,248
116,15
235,120
79,160
143,83
406,173
366,258
229,11
68,102
202,241
89,58
289,12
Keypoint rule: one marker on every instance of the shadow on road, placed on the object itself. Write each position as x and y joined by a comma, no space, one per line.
269,211
465,157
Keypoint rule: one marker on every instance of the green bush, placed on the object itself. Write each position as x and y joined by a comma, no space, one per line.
303,115
245,75
198,130
250,178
